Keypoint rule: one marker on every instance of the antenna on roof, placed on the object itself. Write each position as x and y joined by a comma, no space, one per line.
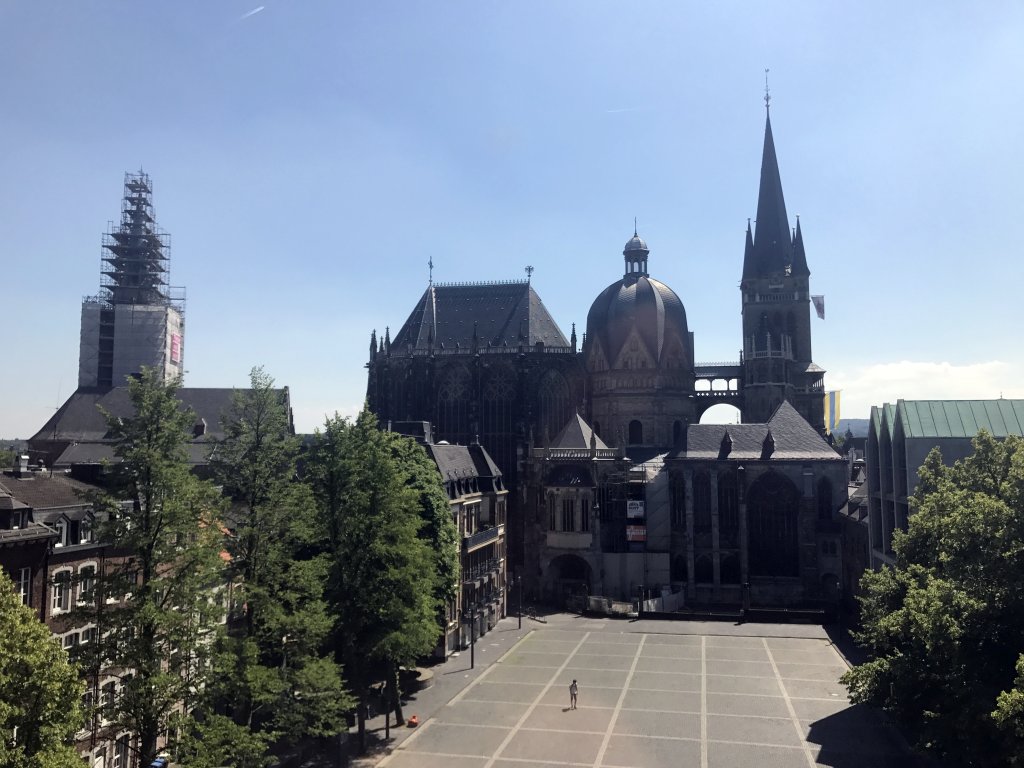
529,273
767,93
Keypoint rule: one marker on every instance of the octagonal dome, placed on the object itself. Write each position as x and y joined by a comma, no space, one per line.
642,305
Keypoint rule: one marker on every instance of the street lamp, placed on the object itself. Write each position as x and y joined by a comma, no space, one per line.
472,636
519,589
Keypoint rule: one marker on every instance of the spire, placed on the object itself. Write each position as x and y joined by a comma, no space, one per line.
387,340
373,344
799,268
772,241
572,338
749,260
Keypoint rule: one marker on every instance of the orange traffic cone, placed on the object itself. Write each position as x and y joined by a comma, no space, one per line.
413,721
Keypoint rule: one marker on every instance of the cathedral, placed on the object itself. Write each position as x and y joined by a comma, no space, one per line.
617,489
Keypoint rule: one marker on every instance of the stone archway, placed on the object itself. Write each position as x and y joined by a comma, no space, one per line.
568,576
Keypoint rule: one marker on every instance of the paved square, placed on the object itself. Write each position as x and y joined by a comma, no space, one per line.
654,699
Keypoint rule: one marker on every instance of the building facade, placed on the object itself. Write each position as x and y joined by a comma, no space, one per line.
900,437
487,362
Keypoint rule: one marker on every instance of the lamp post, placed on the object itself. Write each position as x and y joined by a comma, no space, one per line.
519,589
472,636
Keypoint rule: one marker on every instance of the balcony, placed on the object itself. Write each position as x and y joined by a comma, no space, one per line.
481,570
474,541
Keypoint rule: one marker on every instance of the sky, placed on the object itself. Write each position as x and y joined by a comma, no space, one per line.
309,157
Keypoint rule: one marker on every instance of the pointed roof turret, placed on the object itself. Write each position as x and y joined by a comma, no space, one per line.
772,239
799,264
749,259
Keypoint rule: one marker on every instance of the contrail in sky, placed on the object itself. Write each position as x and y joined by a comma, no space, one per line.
253,12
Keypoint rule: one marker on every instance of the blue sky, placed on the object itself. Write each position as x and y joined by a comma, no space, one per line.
309,157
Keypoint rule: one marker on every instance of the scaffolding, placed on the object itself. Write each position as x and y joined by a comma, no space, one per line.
137,317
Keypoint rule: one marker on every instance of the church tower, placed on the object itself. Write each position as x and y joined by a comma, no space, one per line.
777,361
137,319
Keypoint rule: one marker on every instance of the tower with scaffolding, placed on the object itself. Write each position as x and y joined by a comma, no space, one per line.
137,319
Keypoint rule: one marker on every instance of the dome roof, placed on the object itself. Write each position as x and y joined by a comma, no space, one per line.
641,303
636,243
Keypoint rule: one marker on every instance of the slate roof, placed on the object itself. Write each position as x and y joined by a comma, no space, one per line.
43,491
771,248
794,438
500,312
79,428
960,418
576,434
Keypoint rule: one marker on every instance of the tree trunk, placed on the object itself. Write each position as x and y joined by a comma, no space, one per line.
395,695
361,716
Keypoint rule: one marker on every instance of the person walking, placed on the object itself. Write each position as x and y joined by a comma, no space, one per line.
573,690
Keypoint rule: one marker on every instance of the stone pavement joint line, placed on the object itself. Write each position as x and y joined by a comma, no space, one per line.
618,706
703,702
533,706
789,706
487,671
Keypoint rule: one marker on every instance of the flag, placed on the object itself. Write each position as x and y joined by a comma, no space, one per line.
819,305
832,400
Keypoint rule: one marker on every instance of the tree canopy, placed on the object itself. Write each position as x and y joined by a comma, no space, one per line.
39,690
945,626
154,605
385,515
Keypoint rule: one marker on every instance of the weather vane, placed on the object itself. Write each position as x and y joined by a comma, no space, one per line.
767,93
529,273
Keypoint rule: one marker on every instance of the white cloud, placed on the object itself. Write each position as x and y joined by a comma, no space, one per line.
916,380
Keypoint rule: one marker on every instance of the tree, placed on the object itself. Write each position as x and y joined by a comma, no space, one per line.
271,671
39,690
154,606
944,625
384,578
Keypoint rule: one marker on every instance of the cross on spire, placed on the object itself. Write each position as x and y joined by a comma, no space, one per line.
430,267
529,273
767,93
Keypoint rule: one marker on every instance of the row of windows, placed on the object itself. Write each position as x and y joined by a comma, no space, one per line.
568,520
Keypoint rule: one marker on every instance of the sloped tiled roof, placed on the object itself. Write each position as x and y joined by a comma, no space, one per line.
794,439
45,491
79,429
576,434
500,312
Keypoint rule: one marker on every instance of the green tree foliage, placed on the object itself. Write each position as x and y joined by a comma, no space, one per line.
39,690
272,674
945,626
154,607
220,741
439,529
384,581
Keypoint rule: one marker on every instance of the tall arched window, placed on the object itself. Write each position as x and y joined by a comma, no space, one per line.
553,403
728,510
453,397
824,499
636,433
679,568
701,503
677,433
773,522
497,429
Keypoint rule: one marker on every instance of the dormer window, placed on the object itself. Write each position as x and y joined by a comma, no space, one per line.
62,533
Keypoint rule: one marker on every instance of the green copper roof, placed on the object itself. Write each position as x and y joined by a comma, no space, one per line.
961,418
